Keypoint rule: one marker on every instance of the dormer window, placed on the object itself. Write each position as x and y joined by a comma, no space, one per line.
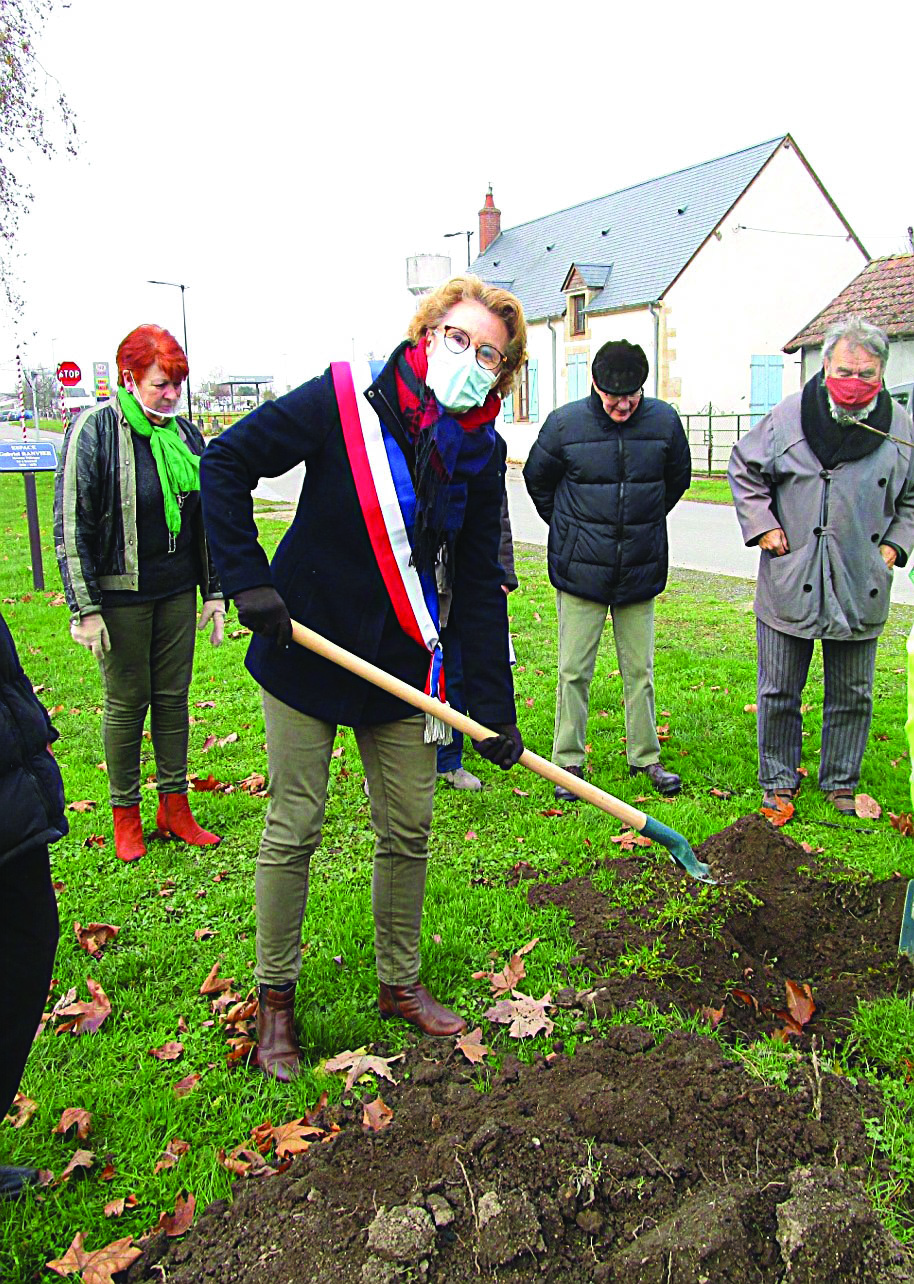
578,320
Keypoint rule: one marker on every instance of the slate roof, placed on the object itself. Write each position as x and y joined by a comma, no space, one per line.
883,293
646,234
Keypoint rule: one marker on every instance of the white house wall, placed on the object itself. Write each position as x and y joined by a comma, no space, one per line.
749,291
900,367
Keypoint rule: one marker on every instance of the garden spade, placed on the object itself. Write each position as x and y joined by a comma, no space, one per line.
906,937
675,843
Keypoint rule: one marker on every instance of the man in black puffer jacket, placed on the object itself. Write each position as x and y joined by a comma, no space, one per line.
32,807
604,472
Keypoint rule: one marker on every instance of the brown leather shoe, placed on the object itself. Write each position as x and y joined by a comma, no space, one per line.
278,1053
413,1003
665,782
842,800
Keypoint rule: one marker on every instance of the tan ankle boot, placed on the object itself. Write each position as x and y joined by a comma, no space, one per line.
278,1053
413,1003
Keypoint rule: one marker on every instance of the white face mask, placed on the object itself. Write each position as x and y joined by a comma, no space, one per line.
135,392
457,379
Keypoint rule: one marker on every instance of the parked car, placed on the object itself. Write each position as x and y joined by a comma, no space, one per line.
904,395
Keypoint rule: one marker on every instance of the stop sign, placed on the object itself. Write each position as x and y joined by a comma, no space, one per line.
69,374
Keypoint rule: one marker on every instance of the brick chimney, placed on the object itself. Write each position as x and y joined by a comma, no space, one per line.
489,222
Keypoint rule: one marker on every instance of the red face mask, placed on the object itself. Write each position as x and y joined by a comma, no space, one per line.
851,392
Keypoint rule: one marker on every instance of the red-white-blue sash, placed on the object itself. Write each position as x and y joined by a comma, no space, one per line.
415,606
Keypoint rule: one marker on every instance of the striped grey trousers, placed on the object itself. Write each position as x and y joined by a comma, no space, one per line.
783,666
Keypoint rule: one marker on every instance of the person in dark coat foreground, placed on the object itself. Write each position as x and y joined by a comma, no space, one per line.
604,473
32,807
404,483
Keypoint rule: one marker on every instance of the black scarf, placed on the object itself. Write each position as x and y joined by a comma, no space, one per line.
833,443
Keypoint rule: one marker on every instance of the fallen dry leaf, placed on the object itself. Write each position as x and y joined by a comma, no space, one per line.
628,840
552,811
244,1161
174,1151
185,1085
800,1002
94,840
779,815
867,808
82,804
168,1051
214,984
73,1116
97,1267
87,1016
205,785
377,1115
721,793
94,936
359,1063
713,1016
747,708
204,704
470,835
527,1016
118,1206
904,823
521,793
178,1222
203,933
227,740
82,1159
21,1110
255,784
294,1138
472,1047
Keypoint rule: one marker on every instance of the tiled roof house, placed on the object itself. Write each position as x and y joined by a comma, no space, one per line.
702,267
883,293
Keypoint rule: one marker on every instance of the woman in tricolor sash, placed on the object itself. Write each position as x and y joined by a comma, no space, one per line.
403,491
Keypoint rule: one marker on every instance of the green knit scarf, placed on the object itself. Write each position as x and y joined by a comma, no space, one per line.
178,466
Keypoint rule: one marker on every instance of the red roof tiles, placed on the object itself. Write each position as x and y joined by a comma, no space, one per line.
883,293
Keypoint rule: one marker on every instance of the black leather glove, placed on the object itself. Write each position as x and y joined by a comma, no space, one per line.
263,611
505,748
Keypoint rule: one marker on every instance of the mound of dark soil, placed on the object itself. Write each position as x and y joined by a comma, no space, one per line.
638,1159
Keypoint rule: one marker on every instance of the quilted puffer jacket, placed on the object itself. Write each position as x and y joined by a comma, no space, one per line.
605,490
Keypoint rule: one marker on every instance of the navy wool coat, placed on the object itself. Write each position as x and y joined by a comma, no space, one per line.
325,569
31,790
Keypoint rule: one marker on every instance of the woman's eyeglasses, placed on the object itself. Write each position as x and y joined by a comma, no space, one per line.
458,341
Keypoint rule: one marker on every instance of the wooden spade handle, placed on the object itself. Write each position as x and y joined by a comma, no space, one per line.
461,722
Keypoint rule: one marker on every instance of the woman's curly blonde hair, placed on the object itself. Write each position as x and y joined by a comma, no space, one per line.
433,307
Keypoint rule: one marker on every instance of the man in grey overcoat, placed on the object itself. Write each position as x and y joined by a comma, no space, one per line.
824,486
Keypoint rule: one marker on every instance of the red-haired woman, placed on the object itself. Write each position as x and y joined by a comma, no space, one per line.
128,531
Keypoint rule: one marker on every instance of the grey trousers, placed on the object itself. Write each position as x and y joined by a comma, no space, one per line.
401,779
847,708
581,625
149,667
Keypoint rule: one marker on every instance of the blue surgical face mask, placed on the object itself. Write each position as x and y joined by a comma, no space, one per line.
457,379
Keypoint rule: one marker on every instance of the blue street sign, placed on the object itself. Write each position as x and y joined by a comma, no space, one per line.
27,457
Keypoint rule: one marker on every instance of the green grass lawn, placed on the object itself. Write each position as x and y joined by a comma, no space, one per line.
709,490
182,910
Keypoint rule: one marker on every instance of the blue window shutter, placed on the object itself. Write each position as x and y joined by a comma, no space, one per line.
775,380
534,407
758,392
507,409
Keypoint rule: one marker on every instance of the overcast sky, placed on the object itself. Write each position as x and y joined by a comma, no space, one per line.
283,161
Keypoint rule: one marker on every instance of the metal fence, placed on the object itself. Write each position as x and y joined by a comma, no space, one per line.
711,437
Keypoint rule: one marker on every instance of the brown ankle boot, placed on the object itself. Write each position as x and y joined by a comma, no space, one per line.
174,817
413,1003
278,1053
128,833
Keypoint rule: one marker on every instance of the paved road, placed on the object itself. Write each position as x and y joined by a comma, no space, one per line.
703,537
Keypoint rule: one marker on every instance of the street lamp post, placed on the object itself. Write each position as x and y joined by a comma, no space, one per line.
178,286
467,234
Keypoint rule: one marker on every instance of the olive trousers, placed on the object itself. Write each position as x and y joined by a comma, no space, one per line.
400,769
149,667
